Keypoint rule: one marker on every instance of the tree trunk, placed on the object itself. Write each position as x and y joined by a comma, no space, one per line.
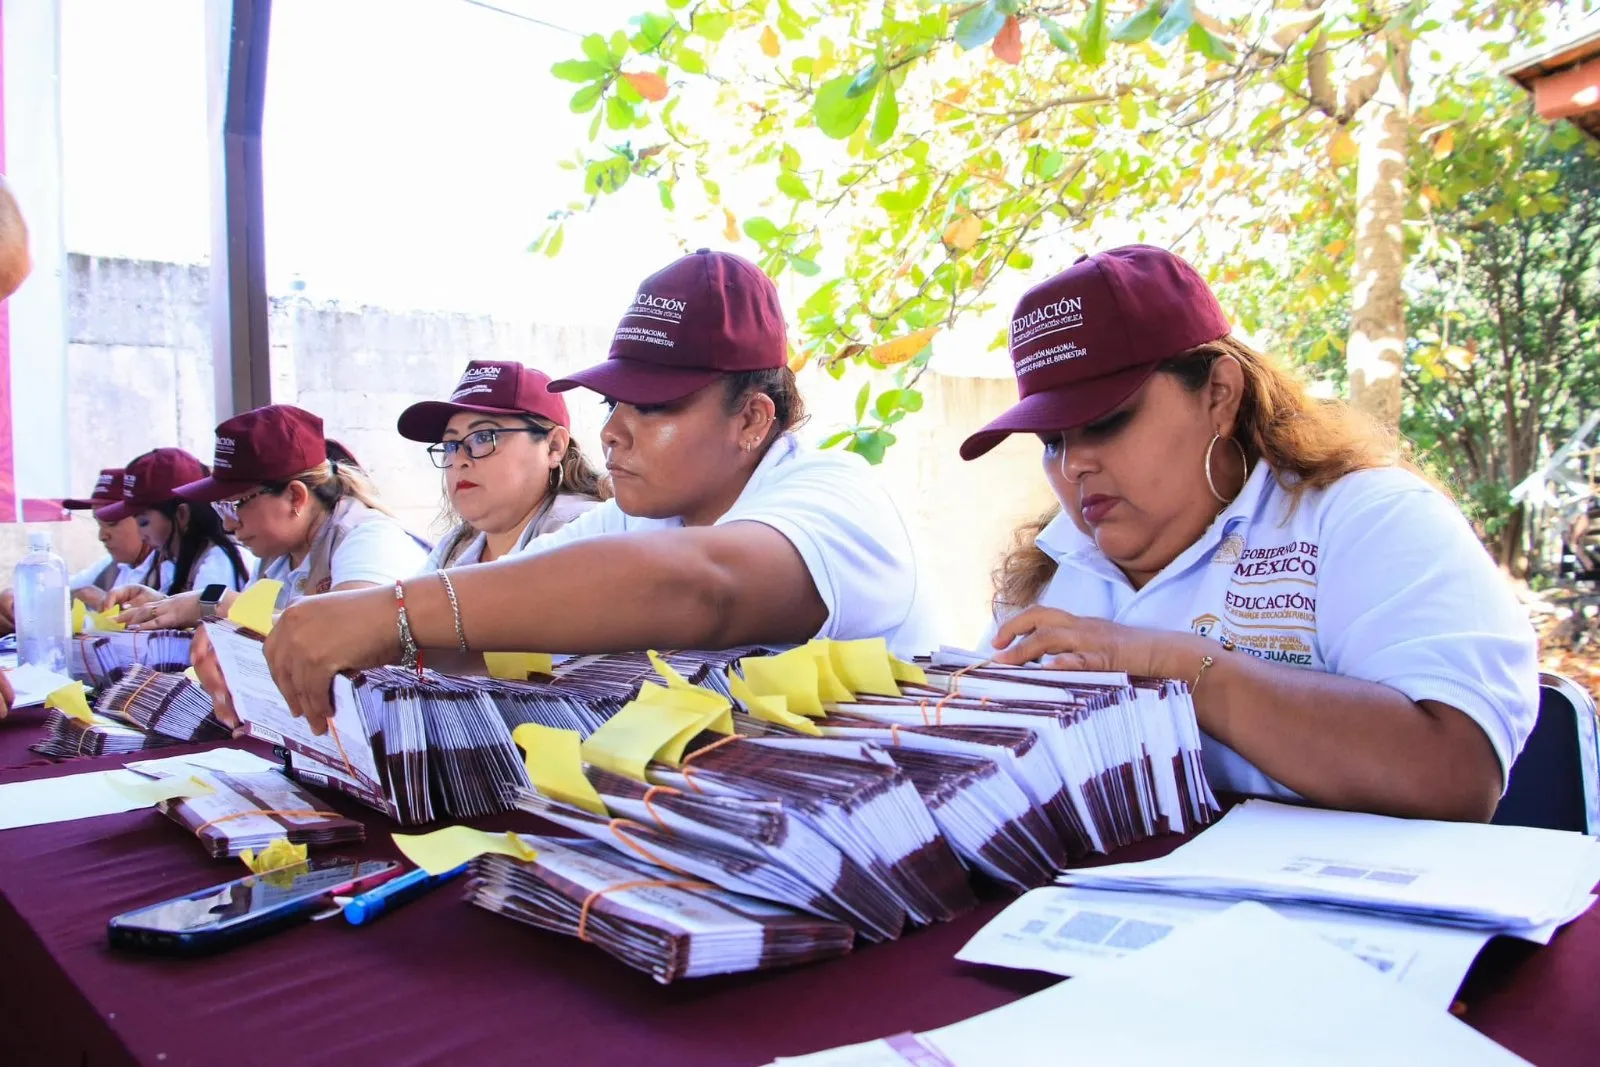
1511,557
1375,357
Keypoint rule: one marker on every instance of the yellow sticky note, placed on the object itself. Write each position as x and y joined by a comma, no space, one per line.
108,621
278,855
673,679
516,666
150,791
864,666
555,766
444,850
192,674
631,738
73,700
770,709
713,706
792,675
253,608
909,673
79,615
830,687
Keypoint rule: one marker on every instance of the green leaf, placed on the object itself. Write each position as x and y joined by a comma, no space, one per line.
626,90
618,47
653,29
552,247
712,25
690,61
980,25
887,117
1138,27
865,81
586,98
595,47
1209,44
791,186
1059,36
901,202
666,195
761,230
861,401
911,400
1093,34
888,402
804,266
619,113
871,444
833,440
838,114
577,70
1176,23
1128,107
1020,260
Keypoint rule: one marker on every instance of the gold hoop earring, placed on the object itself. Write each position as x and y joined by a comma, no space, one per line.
1244,462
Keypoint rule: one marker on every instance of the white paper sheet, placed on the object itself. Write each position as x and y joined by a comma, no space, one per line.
1245,988
31,683
1071,931
1498,877
225,760
75,796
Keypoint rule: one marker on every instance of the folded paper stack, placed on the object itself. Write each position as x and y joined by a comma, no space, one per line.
69,737
163,703
101,658
666,925
250,811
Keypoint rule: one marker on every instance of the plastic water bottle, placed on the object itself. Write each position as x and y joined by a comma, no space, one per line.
44,606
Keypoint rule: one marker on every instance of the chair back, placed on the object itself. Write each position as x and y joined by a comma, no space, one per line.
1555,782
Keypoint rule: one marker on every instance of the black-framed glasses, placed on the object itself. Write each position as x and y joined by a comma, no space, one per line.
477,444
229,509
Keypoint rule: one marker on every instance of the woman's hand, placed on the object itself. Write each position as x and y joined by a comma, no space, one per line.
131,596
93,597
6,695
8,612
317,637
204,659
181,612
1078,643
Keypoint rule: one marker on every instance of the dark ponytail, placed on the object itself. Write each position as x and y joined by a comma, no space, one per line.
203,531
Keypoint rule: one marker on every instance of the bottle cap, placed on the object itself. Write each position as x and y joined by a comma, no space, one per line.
38,540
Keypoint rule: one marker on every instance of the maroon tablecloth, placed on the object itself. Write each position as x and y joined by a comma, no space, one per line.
440,981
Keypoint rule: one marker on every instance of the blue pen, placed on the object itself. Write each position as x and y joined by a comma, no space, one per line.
393,893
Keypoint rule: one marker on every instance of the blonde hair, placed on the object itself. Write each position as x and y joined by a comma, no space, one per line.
575,475
1309,444
334,480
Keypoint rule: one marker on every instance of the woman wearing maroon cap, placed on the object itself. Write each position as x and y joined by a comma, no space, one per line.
128,560
512,471
314,522
194,550
1346,638
724,530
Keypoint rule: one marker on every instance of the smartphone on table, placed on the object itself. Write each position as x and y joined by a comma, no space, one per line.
225,915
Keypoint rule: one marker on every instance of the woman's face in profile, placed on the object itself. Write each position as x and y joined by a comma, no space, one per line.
122,540
1134,480
675,460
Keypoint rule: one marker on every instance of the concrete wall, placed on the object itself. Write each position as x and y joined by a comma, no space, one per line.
139,365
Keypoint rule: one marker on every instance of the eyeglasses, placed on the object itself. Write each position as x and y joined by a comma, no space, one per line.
478,444
229,509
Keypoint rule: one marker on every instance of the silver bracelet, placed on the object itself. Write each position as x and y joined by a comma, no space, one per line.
455,608
410,654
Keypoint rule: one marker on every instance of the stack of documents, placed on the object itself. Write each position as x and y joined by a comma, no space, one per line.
253,809
167,704
1513,880
1247,988
101,658
667,925
69,737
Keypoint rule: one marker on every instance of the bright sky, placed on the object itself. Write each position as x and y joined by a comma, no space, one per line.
410,152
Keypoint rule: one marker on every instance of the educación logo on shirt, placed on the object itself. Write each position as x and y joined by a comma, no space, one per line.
1269,607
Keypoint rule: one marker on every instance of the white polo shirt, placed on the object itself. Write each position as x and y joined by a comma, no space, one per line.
126,574
1376,577
844,525
379,551
212,568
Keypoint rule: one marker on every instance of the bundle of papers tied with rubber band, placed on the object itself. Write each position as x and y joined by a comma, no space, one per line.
144,709
101,658
876,802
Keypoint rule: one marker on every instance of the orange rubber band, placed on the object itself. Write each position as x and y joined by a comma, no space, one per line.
126,704
652,791
614,826
683,764
894,734
644,883
265,811
955,689
334,730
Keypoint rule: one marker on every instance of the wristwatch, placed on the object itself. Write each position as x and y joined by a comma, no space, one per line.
210,598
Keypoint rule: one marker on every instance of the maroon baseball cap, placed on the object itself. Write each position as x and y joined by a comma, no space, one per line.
107,490
1087,339
708,314
491,387
270,444
154,478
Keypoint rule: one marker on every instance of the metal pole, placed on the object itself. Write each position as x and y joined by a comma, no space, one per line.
236,54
